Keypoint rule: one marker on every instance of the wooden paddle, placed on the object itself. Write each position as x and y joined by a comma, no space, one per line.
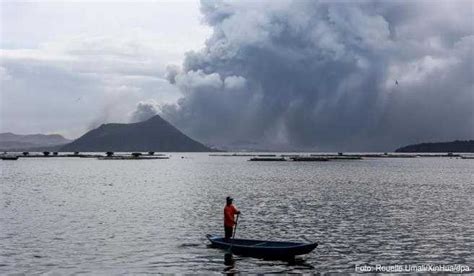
235,228
233,234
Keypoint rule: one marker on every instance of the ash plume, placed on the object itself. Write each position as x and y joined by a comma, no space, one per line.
144,111
329,75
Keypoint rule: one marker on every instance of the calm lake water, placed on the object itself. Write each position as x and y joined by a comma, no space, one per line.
73,215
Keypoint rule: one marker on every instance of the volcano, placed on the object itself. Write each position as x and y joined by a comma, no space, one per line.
154,134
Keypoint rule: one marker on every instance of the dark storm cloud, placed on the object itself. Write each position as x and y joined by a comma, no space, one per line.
329,75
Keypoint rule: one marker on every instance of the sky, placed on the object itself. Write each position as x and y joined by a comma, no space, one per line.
303,75
67,67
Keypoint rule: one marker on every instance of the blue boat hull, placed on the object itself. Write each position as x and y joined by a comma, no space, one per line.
262,249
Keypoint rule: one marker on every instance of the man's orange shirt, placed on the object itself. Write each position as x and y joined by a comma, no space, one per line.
229,212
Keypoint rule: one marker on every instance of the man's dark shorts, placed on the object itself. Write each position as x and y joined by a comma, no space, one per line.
228,232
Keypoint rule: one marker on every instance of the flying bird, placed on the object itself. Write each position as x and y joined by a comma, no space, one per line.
396,82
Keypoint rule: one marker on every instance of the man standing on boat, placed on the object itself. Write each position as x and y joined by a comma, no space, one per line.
229,217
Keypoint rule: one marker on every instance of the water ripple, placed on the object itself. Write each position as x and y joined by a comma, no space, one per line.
73,216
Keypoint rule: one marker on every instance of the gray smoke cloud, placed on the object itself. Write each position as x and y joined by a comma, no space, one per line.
329,75
144,111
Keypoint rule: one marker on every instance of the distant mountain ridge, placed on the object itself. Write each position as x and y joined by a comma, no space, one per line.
454,146
16,142
154,134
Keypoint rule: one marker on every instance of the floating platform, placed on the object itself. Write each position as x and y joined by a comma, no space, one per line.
119,156
338,157
267,159
12,158
124,157
231,155
388,156
439,155
309,159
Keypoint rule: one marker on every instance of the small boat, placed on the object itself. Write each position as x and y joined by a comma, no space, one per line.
262,249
